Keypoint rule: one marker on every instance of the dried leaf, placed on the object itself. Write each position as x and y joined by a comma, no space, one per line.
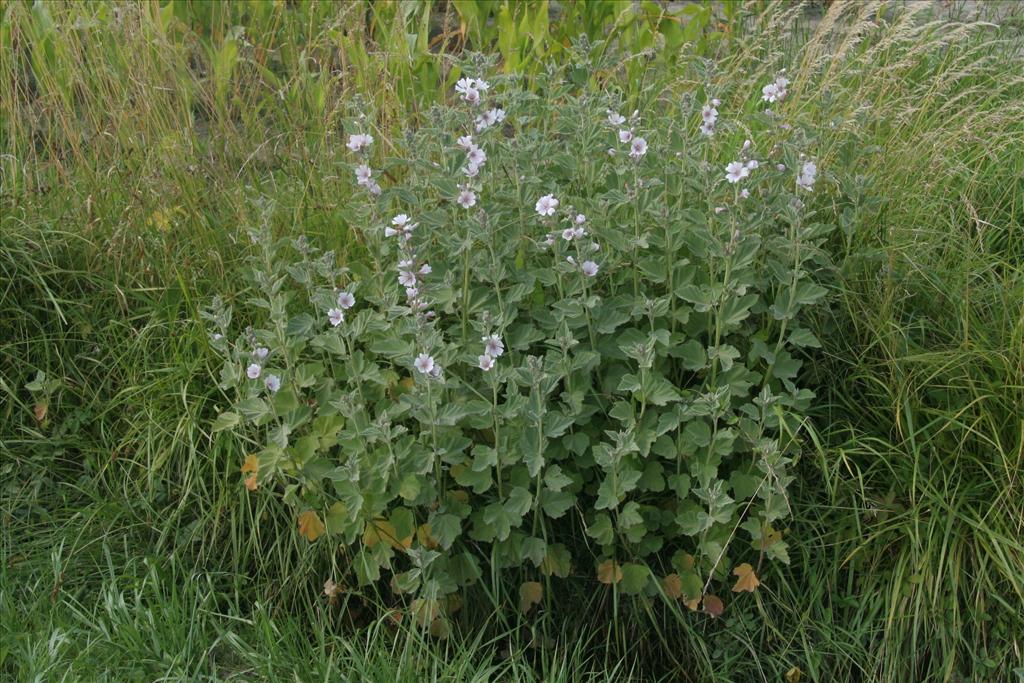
310,525
251,483
672,586
530,593
40,411
609,572
747,580
713,605
793,675
425,538
251,465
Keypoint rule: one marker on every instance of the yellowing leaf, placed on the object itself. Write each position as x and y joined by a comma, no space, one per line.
251,467
672,586
458,494
383,531
747,580
713,605
425,610
424,537
609,572
310,525
793,675
530,593
40,411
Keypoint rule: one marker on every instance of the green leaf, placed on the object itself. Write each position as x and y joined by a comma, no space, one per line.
601,529
634,578
226,420
445,528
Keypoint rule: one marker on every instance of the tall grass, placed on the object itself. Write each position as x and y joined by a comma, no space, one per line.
134,139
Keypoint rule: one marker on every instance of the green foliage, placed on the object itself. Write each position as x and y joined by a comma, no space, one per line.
640,331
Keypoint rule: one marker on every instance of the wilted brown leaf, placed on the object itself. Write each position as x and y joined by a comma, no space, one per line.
530,593
713,605
251,483
609,572
672,586
40,411
310,525
251,465
747,580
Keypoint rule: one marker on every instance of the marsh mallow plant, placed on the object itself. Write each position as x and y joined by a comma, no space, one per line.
572,347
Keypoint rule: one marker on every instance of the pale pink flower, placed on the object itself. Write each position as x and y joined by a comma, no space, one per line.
615,118
336,316
485,362
346,300
589,268
546,205
475,155
424,363
493,346
735,171
465,142
466,199
638,148
253,371
273,383
625,135
363,174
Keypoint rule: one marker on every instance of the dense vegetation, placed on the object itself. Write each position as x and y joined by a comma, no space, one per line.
142,144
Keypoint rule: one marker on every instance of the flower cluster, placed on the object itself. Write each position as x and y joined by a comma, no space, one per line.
776,90
808,174
360,144
709,117
493,347
627,136
736,171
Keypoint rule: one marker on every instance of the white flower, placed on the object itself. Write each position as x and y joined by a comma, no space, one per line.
716,102
775,92
425,269
625,135
568,234
481,84
336,316
744,193
780,167
580,219
746,145
424,363
363,174
589,268
475,155
407,278
611,151
465,142
499,115
493,346
546,205
374,188
400,221
638,148
216,336
464,85
485,362
735,171
466,199
549,240
708,129
471,170
358,141
261,352
346,300
808,174
253,371
472,96
752,164
615,118
273,383
709,114
390,232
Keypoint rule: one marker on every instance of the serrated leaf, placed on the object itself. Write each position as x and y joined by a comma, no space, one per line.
634,578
